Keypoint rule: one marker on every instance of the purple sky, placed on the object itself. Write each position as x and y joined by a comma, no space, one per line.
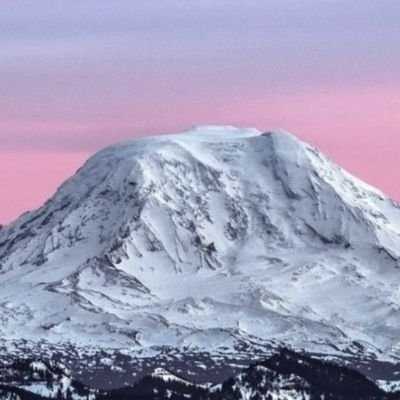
78,75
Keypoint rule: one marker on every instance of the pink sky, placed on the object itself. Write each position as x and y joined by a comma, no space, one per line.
75,78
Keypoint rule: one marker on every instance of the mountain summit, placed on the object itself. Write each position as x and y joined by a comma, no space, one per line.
209,239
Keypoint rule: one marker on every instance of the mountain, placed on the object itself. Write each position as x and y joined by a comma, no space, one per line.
284,375
215,244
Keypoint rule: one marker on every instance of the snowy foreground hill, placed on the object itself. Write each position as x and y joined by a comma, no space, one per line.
206,248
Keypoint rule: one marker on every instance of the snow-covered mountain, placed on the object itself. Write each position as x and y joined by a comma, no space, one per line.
212,239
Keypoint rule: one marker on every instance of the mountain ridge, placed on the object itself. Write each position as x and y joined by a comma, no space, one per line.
285,374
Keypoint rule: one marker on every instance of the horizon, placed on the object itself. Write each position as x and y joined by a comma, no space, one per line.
77,78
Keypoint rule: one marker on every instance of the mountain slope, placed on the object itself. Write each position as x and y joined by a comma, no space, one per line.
212,239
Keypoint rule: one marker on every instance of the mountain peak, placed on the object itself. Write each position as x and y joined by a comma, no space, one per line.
224,132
